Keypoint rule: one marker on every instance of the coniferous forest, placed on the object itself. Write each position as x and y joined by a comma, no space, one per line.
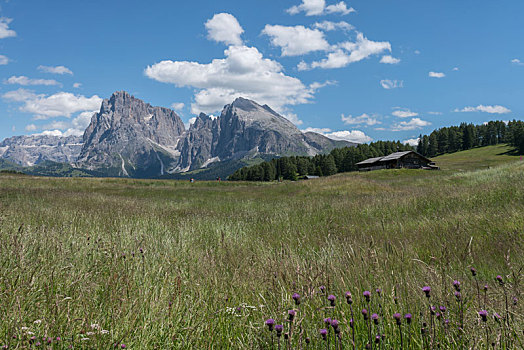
444,140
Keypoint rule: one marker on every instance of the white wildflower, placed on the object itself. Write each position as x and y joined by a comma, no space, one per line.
37,322
104,331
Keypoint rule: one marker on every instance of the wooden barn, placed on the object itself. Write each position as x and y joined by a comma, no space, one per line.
397,160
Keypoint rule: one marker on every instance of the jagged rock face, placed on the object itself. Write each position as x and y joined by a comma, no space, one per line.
131,138
34,149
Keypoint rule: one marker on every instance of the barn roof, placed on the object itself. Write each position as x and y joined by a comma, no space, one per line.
392,156
396,155
370,161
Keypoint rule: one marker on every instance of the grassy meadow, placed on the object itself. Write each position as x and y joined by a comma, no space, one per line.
152,264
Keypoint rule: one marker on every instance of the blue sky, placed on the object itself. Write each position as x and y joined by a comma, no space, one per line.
360,70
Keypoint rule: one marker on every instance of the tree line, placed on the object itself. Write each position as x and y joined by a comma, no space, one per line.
466,136
337,161
444,140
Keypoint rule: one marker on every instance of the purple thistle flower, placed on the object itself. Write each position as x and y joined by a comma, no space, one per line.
398,318
308,340
497,317
327,321
427,290
377,339
270,323
500,280
348,298
442,309
296,298
322,289
332,299
374,317
408,318
123,346
352,323
291,314
486,288
58,338
323,333
365,314
432,310
446,322
473,271
367,295
456,284
438,315
515,300
38,344
286,335
334,324
378,291
484,315
279,328
458,295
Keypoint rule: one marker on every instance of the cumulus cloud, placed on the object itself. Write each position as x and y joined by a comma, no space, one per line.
361,119
297,40
328,26
404,113
55,70
318,7
389,60
3,60
391,84
456,69
61,104
415,123
517,62
77,85
23,80
244,72
486,109
356,136
436,75
177,106
411,142
5,32
224,27
349,52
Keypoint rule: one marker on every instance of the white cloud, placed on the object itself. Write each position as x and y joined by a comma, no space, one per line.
389,60
361,119
436,75
486,109
244,72
190,122
177,106
224,27
5,32
417,52
55,70
61,104
517,62
318,7
344,135
292,117
391,84
340,7
317,130
22,80
456,69
404,113
297,40
3,60
349,52
415,123
30,127
330,26
411,142
349,135
77,85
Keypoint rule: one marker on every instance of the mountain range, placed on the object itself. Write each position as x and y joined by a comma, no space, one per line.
131,138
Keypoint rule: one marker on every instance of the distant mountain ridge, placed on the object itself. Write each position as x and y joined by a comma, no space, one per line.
131,138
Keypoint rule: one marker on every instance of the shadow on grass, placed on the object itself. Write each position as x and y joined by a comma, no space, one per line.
511,152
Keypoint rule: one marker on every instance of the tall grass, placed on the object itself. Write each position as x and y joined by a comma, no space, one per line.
167,264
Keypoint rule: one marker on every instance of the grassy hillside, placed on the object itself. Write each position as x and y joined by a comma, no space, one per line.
169,264
477,158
